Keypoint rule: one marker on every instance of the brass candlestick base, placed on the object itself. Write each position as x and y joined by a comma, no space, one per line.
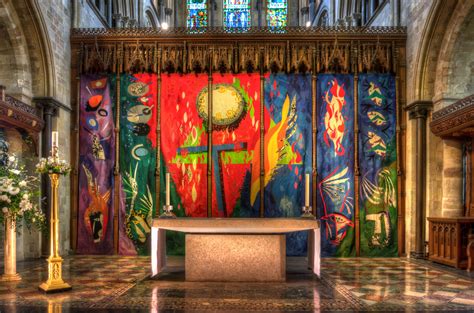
307,212
55,281
167,212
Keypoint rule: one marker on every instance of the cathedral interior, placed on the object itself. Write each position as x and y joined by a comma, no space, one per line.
236,155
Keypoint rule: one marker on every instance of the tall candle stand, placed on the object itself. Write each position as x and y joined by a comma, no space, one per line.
307,212
307,209
167,208
55,281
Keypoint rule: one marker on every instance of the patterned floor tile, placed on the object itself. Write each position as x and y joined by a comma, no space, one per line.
122,284
463,301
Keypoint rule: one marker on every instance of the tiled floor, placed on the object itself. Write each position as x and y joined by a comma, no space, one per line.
122,284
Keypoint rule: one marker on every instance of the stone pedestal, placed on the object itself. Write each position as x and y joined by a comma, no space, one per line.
236,257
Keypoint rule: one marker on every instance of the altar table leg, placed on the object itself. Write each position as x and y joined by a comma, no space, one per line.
310,249
158,250
316,251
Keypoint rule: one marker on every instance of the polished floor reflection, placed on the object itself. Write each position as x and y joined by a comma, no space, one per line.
122,284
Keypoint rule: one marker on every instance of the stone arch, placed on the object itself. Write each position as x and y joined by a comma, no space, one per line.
34,54
426,60
151,18
454,69
322,19
15,69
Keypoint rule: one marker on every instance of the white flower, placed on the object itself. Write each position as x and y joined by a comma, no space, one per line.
16,172
11,158
14,190
5,210
22,183
25,196
25,205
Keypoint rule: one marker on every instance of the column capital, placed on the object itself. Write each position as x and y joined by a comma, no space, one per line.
168,11
50,105
125,21
132,23
118,19
419,109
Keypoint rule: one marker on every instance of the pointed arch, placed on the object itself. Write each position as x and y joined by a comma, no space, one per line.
32,43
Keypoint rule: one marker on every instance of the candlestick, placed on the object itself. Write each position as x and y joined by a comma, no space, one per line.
306,190
167,189
55,280
54,143
167,208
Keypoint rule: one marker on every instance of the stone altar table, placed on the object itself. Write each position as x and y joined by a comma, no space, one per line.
234,249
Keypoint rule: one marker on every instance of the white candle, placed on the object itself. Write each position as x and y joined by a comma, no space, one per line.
167,188
54,142
306,191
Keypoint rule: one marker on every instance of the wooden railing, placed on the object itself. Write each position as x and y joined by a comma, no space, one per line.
448,240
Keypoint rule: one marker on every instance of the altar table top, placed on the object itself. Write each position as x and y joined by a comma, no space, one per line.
236,225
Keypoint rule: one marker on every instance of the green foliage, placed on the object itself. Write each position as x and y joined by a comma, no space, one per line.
18,191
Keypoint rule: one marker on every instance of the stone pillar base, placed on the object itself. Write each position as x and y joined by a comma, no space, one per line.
235,257
417,255
10,277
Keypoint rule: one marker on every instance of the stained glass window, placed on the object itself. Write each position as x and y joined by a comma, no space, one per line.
197,13
237,13
277,13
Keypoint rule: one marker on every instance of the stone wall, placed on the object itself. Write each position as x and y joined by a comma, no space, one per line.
57,14
86,16
384,15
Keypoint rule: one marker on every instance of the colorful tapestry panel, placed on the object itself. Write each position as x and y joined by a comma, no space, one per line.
237,13
378,165
96,164
288,149
235,143
184,143
335,158
197,13
137,161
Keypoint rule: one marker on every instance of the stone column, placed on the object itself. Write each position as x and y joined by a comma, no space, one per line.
132,23
125,20
356,19
419,110
118,20
49,108
452,204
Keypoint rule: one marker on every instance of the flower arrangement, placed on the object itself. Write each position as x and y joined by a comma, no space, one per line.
53,165
17,191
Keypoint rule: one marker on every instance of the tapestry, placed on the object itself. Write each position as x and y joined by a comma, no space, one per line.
288,150
335,164
378,166
96,164
184,144
235,144
137,161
